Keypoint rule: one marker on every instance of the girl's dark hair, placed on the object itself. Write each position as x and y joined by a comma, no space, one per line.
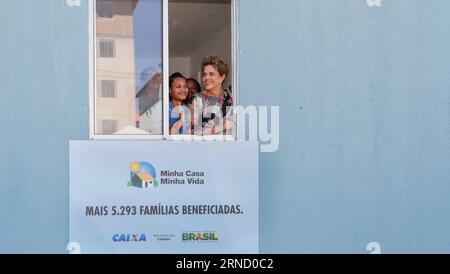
175,76
172,79
197,84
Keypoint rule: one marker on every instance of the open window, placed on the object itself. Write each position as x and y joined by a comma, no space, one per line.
138,45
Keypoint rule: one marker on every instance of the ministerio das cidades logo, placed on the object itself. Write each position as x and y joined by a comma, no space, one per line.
142,175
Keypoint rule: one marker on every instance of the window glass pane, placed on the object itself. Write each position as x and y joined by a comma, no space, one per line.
128,67
200,50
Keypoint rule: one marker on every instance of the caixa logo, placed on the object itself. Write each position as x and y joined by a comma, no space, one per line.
129,238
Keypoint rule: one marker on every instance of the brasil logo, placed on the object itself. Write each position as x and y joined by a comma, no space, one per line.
142,175
197,236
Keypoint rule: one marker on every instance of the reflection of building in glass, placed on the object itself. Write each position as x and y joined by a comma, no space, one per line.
150,104
115,66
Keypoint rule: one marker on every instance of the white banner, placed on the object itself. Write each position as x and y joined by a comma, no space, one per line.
164,197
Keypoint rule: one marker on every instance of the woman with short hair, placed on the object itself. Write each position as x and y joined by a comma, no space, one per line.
212,108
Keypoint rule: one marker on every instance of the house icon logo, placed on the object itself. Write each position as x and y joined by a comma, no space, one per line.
142,175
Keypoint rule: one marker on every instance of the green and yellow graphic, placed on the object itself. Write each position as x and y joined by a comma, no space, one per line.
142,175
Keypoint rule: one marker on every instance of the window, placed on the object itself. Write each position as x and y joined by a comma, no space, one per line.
107,48
105,9
109,126
145,42
108,88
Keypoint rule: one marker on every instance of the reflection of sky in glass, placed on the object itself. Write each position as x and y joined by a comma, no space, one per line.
148,40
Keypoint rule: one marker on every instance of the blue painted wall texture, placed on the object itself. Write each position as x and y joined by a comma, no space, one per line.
364,96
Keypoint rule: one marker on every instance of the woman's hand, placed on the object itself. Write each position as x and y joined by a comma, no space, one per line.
189,129
180,112
176,127
222,128
228,125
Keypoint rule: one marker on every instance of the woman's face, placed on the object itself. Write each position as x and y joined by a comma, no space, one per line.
179,89
212,79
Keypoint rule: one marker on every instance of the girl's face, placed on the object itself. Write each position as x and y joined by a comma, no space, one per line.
212,79
179,89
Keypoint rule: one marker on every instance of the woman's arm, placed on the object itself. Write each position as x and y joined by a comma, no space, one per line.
175,130
222,128
196,112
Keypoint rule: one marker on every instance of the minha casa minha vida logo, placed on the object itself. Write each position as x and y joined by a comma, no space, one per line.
143,175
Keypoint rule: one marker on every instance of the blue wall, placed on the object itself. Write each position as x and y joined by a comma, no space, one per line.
364,95
44,103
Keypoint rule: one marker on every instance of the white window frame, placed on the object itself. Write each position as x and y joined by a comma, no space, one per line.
165,136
